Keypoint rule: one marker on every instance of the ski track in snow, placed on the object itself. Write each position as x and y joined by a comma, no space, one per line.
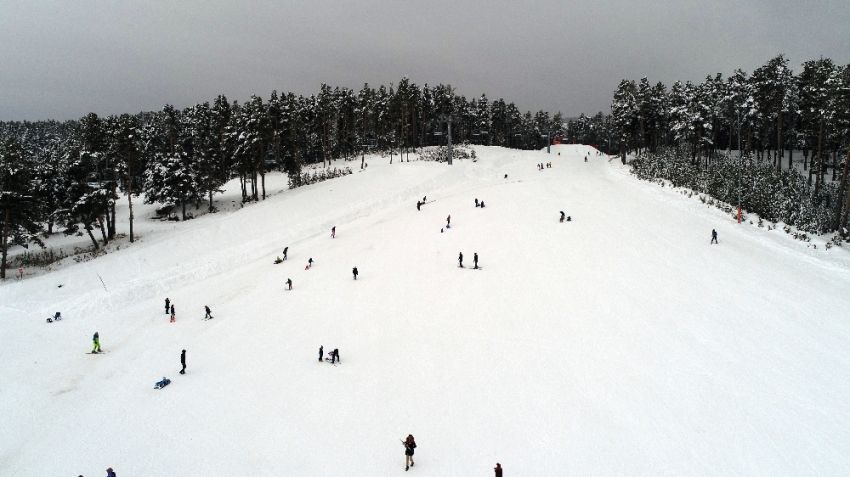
620,343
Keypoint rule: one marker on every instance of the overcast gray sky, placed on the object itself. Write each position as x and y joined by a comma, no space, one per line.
62,59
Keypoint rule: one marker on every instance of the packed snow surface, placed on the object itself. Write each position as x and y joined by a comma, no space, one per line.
619,343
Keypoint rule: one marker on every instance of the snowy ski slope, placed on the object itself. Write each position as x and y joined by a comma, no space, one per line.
620,343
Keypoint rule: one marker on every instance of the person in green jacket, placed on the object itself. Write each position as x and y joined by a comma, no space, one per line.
96,340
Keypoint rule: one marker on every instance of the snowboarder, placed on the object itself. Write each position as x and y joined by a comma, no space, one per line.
476,202
277,260
562,216
498,467
409,445
355,272
110,472
208,315
165,382
475,260
713,236
285,250
460,260
57,316
418,205
333,231
167,302
289,282
96,340
172,312
183,361
321,352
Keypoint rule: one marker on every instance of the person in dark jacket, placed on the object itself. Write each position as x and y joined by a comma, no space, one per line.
460,260
289,282
167,302
183,361
110,472
562,216
713,236
498,467
335,356
409,445
355,272
482,204
476,202
475,259
321,352
209,313
418,205
284,252
172,313
310,263
333,231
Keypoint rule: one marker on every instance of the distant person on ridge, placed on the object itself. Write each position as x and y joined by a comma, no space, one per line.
713,236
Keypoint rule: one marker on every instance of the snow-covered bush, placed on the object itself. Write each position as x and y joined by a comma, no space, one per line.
306,178
778,196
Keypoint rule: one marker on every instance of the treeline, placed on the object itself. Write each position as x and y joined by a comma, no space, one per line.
69,175
770,114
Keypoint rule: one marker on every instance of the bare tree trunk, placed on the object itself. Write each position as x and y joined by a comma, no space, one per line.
818,175
114,201
5,243
130,201
102,230
183,203
779,149
91,236
843,188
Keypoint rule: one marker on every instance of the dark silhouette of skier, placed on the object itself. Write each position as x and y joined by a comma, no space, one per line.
460,260
310,263
498,467
482,204
321,352
476,202
333,231
208,316
409,445
167,302
355,272
183,361
562,216
475,259
172,312
418,205
285,250
289,282
335,356
713,236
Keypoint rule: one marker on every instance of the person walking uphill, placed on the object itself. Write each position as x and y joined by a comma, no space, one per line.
167,303
460,260
333,231
713,237
355,272
96,340
209,313
172,312
475,259
409,445
285,250
321,352
183,361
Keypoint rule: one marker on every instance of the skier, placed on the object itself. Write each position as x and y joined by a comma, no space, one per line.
110,472
475,260
476,202
284,252
460,260
482,204
321,352
167,302
713,236
409,445
57,316
310,263
335,356
355,272
418,205
172,312
498,467
585,158
333,231
183,361
424,199
96,340
562,216
208,315
289,282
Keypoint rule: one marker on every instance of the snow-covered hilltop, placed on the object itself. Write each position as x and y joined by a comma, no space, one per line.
619,343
